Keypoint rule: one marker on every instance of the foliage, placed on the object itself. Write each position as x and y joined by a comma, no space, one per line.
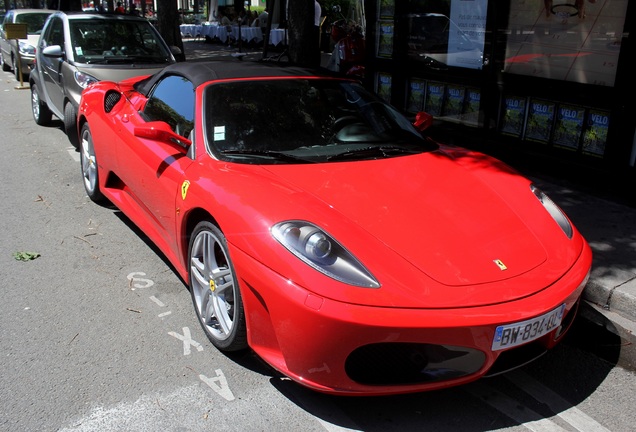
25,256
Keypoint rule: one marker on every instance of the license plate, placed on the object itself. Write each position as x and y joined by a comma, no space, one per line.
519,333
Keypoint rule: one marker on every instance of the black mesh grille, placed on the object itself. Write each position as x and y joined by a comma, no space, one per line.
111,99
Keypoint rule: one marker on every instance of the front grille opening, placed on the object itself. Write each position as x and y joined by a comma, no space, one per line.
411,363
111,99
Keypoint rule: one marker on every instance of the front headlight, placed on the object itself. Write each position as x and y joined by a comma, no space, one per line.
554,211
83,79
26,48
319,250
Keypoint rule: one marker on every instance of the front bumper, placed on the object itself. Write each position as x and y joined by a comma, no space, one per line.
350,349
27,63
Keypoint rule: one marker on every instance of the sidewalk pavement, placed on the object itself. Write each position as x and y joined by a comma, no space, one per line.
608,225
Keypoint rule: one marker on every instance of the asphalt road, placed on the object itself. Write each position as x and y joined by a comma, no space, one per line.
97,333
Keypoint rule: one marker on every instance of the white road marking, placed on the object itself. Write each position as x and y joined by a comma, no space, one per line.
73,152
157,301
219,384
556,403
135,281
513,409
187,341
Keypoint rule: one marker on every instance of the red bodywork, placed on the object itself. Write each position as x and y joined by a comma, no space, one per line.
428,226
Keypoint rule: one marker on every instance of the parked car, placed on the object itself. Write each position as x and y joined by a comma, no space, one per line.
319,227
34,19
78,48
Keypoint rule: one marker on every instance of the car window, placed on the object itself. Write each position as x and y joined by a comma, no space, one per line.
8,19
54,33
116,41
314,119
34,21
172,101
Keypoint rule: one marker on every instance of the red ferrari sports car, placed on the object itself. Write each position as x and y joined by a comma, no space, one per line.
319,227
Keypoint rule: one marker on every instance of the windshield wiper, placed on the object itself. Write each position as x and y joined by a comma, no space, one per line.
267,154
112,60
128,59
375,152
148,59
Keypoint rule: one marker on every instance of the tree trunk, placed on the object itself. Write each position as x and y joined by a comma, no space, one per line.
302,34
168,25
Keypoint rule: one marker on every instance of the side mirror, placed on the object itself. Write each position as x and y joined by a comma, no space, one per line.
161,131
175,50
53,51
423,121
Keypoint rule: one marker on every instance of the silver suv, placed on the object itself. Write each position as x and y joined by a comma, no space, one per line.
11,49
78,48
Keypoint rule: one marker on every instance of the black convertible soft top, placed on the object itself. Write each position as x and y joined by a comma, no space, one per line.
201,72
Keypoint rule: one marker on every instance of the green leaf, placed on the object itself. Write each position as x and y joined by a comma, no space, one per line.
25,256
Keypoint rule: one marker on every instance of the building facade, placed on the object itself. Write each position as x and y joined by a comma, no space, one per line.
547,79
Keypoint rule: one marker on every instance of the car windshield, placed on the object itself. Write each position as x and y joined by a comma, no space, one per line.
34,21
116,41
304,120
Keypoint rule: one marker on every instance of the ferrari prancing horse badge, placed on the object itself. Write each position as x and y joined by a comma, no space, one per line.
184,189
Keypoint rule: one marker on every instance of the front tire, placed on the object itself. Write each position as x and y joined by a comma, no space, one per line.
41,112
70,124
214,289
88,162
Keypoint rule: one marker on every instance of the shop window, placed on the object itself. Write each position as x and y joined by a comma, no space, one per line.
577,41
447,33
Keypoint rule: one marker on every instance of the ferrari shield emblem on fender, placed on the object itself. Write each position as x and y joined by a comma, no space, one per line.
184,189
500,264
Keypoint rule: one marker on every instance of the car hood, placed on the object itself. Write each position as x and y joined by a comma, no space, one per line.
463,225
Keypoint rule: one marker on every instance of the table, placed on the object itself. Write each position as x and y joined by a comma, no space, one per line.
248,34
276,36
191,30
216,31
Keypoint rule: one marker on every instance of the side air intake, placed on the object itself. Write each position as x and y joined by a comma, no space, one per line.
111,99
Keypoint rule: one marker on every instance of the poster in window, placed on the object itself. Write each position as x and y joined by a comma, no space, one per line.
595,135
454,101
472,100
569,125
540,120
386,9
385,38
416,92
434,98
384,86
467,33
513,115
